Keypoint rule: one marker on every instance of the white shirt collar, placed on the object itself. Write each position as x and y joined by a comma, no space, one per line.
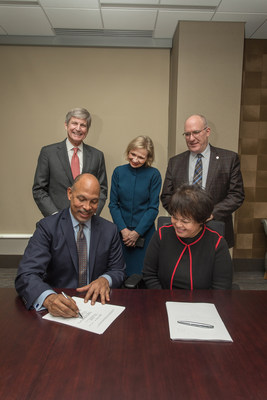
204,153
75,222
70,145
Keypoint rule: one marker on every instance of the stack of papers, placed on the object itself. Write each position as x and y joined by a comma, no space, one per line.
96,318
196,321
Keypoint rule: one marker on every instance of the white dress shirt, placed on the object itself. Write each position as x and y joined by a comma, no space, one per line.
79,153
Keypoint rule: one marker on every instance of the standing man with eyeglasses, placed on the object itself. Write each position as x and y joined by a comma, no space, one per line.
216,170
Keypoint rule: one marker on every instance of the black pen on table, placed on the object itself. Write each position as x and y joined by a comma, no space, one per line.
64,294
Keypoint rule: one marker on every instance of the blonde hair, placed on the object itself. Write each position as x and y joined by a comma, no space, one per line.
142,142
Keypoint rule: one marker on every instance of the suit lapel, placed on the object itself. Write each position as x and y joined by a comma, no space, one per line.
185,169
67,231
87,158
213,167
64,159
95,239
181,169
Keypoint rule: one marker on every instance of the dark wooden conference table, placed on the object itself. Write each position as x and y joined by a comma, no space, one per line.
135,358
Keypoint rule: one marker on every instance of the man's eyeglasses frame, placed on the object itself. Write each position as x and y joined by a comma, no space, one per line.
193,133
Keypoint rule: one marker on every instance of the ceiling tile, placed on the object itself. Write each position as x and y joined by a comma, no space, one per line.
74,19
88,4
25,21
2,32
129,19
202,3
253,21
168,20
261,32
243,6
38,17
127,2
19,1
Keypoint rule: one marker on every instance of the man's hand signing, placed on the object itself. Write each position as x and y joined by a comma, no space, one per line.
99,287
59,306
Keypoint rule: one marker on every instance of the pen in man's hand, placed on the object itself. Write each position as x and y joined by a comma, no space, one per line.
196,324
64,294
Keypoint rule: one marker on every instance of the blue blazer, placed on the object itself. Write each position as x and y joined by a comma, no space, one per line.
51,259
134,197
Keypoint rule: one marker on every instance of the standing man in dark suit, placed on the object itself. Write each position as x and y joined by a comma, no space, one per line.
221,176
52,258
60,163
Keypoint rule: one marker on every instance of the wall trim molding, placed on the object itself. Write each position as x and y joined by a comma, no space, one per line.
15,235
13,244
86,41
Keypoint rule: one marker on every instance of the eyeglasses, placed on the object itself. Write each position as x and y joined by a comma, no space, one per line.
194,133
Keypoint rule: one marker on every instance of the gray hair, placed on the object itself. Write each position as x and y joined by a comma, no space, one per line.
80,113
204,119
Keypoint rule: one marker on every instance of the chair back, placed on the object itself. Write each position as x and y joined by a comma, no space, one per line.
162,221
264,223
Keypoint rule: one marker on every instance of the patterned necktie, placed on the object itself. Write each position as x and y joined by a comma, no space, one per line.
82,255
75,163
197,179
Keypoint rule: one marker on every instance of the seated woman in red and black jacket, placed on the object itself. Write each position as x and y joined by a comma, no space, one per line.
187,254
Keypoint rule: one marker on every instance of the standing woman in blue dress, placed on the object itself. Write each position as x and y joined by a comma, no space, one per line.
134,201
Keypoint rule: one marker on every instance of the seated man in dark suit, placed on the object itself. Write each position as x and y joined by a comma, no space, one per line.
52,258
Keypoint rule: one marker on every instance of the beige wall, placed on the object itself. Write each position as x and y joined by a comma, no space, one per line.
206,62
126,90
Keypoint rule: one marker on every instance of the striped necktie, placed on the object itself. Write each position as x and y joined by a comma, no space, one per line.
197,179
82,255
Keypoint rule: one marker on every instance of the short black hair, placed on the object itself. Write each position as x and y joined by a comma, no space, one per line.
191,201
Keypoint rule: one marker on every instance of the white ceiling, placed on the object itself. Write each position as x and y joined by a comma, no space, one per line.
145,23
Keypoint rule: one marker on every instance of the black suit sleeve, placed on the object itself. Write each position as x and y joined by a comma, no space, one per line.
41,185
234,190
115,266
29,282
102,178
168,188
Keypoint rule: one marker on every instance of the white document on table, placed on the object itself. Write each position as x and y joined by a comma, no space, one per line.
96,318
200,313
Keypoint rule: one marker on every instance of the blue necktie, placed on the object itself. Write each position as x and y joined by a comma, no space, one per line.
197,179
